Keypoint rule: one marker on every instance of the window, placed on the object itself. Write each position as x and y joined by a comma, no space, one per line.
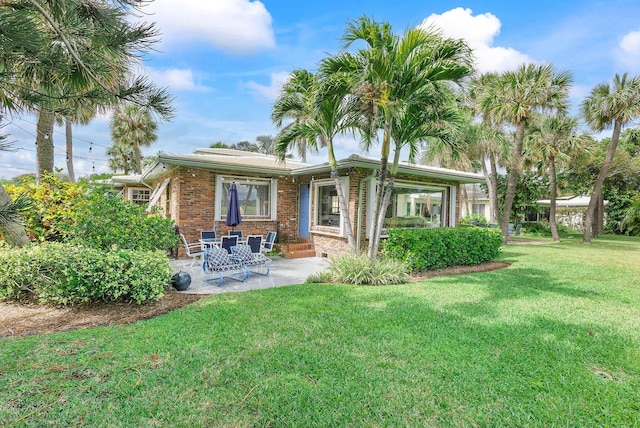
415,206
139,195
256,197
329,206
478,209
326,211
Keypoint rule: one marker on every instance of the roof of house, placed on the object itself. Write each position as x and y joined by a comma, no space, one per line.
239,161
568,201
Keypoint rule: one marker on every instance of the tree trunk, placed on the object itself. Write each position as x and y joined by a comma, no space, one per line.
512,180
552,202
601,213
342,201
493,190
44,142
69,137
374,237
597,186
11,231
138,156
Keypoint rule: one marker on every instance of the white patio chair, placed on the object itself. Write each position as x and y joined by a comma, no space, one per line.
255,242
193,250
267,245
227,242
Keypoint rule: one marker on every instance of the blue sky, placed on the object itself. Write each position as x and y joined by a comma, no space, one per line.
224,60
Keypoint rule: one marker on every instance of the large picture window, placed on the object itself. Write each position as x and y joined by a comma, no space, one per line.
255,197
413,206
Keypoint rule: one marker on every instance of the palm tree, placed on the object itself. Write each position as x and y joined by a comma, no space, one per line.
60,54
328,111
552,139
295,103
608,106
11,228
490,144
133,125
392,74
121,157
513,98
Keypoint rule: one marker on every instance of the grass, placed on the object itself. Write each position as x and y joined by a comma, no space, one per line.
554,340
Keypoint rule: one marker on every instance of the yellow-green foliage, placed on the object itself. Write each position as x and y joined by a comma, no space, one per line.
52,206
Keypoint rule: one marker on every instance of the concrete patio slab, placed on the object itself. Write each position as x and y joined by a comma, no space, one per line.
282,272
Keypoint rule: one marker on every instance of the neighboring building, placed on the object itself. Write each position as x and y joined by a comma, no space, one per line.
296,200
476,202
570,210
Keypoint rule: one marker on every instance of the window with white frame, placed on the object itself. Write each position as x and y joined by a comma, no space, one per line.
139,195
327,211
256,197
478,209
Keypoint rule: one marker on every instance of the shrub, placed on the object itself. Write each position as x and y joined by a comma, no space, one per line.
428,249
360,270
64,274
107,221
52,203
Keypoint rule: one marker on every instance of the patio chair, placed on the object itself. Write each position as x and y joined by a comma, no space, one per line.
193,250
207,239
242,254
267,245
237,233
220,265
255,242
227,242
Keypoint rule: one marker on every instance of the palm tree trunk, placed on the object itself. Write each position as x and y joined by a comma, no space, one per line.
69,137
11,231
342,201
554,194
136,153
512,180
376,229
386,199
493,190
601,213
597,186
44,142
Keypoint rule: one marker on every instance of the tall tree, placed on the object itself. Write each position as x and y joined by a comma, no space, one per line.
295,104
56,51
513,98
609,106
550,140
266,144
133,125
394,76
329,112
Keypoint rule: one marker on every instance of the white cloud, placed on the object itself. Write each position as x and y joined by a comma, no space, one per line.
479,32
271,91
629,50
176,79
235,26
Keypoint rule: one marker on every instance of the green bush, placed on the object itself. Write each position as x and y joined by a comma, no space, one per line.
64,274
107,221
52,204
360,270
429,249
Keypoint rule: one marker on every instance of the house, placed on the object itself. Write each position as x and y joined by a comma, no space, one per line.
298,201
570,210
476,202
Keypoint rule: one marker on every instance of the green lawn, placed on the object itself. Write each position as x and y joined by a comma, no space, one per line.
554,340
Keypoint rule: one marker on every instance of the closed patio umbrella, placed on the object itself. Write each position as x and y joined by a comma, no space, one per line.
234,217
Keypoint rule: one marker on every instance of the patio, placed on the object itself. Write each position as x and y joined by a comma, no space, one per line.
282,272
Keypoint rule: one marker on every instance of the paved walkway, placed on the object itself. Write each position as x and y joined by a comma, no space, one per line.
282,272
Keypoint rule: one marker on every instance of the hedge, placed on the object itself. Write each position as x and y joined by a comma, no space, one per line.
64,274
429,249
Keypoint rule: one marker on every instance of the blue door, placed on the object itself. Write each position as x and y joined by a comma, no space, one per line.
303,218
